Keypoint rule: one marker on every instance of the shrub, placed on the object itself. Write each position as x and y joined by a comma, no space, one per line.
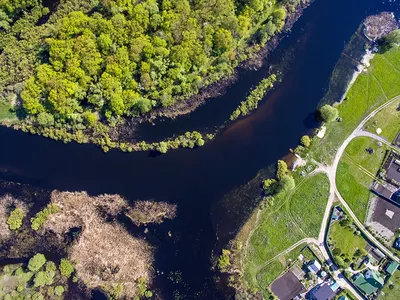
223,260
66,267
287,183
36,262
282,169
59,290
328,113
336,251
14,221
306,141
42,216
269,186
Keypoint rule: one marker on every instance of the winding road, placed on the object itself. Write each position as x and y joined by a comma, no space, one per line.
334,193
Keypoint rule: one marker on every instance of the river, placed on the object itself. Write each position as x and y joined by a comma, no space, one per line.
198,179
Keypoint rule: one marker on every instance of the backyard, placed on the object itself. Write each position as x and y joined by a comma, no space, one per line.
391,290
388,120
345,242
5,113
356,172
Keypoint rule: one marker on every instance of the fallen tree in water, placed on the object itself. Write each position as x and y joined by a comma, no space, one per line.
145,212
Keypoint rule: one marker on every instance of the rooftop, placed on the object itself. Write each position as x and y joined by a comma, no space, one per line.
323,292
392,267
287,286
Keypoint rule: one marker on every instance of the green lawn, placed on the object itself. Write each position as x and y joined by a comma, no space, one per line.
372,88
352,181
295,216
345,239
5,113
388,120
391,290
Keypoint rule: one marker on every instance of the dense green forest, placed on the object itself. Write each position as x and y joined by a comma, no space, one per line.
76,73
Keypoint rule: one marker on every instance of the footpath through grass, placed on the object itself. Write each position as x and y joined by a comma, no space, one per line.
371,89
356,172
295,216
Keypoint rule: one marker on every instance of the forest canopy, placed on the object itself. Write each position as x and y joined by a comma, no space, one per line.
86,66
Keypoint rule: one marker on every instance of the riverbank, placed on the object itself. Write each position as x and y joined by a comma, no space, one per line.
120,134
361,99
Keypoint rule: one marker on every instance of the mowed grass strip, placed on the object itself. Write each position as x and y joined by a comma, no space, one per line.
372,88
356,172
280,229
388,119
345,239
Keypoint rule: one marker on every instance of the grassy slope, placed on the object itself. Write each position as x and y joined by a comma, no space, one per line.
278,231
345,239
371,89
353,182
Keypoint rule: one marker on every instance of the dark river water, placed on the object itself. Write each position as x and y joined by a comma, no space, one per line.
198,179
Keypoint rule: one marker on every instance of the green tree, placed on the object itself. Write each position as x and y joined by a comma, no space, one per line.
36,262
282,169
391,40
270,186
59,290
306,141
328,113
223,260
14,221
223,41
66,267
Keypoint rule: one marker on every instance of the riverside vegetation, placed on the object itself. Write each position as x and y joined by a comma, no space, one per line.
79,72
100,252
289,212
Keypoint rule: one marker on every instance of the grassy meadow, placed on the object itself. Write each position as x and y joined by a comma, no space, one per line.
295,215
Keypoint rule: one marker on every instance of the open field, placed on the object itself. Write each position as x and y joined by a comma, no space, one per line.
380,83
391,290
388,120
297,215
345,239
356,171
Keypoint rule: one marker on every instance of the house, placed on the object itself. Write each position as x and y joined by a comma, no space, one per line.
322,292
368,283
287,286
334,286
392,267
314,267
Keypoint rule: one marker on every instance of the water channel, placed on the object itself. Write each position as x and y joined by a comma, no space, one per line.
198,179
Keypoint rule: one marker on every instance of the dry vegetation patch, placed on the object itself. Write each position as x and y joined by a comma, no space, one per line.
105,255
145,212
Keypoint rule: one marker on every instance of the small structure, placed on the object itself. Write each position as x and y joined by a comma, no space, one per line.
337,213
322,292
343,298
370,283
314,266
321,132
391,268
298,272
334,286
378,131
397,243
287,286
